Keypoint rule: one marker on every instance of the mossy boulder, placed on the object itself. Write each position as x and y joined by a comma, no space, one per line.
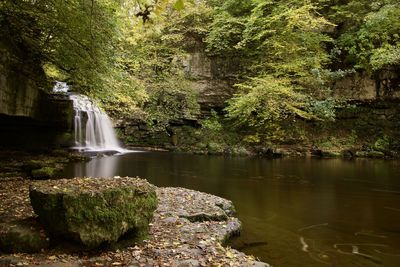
31,165
94,211
22,236
43,173
44,168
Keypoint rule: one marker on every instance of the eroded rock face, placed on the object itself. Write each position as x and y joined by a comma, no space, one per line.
94,211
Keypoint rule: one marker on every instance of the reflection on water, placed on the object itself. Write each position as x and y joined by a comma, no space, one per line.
296,212
96,167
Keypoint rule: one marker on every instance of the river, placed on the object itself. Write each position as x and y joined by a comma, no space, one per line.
295,212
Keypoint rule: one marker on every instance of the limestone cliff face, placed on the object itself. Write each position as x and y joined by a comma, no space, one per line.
28,114
356,86
19,88
360,86
212,77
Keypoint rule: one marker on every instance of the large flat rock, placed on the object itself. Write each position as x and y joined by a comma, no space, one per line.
94,211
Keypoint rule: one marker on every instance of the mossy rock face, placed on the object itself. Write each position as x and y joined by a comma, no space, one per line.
31,165
370,154
78,157
94,211
22,236
43,169
43,173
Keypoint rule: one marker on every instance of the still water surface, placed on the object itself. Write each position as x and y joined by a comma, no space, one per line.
295,212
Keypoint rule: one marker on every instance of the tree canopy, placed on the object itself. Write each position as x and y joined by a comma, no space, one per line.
131,54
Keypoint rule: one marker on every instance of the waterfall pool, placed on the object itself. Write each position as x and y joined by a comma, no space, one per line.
295,212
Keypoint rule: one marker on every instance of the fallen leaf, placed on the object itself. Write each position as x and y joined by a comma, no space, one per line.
230,254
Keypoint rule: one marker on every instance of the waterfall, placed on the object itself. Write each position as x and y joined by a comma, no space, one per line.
92,127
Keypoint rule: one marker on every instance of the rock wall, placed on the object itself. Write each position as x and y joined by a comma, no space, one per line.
371,119
373,98
19,94
356,86
360,86
212,77
29,116
388,83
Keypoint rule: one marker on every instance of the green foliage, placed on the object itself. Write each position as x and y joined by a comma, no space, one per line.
73,36
172,98
382,143
385,56
179,5
267,100
43,173
324,109
212,136
152,57
123,96
338,143
225,34
101,47
212,124
283,37
131,54
372,42
215,136
289,37
282,45
54,73
352,140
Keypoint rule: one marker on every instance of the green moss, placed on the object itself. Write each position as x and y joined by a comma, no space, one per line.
94,218
382,143
77,157
44,172
35,164
108,215
43,168
215,148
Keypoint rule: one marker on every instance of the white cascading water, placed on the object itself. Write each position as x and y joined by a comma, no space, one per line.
93,128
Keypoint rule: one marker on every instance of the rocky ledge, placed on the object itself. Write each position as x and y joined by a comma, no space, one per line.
189,228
